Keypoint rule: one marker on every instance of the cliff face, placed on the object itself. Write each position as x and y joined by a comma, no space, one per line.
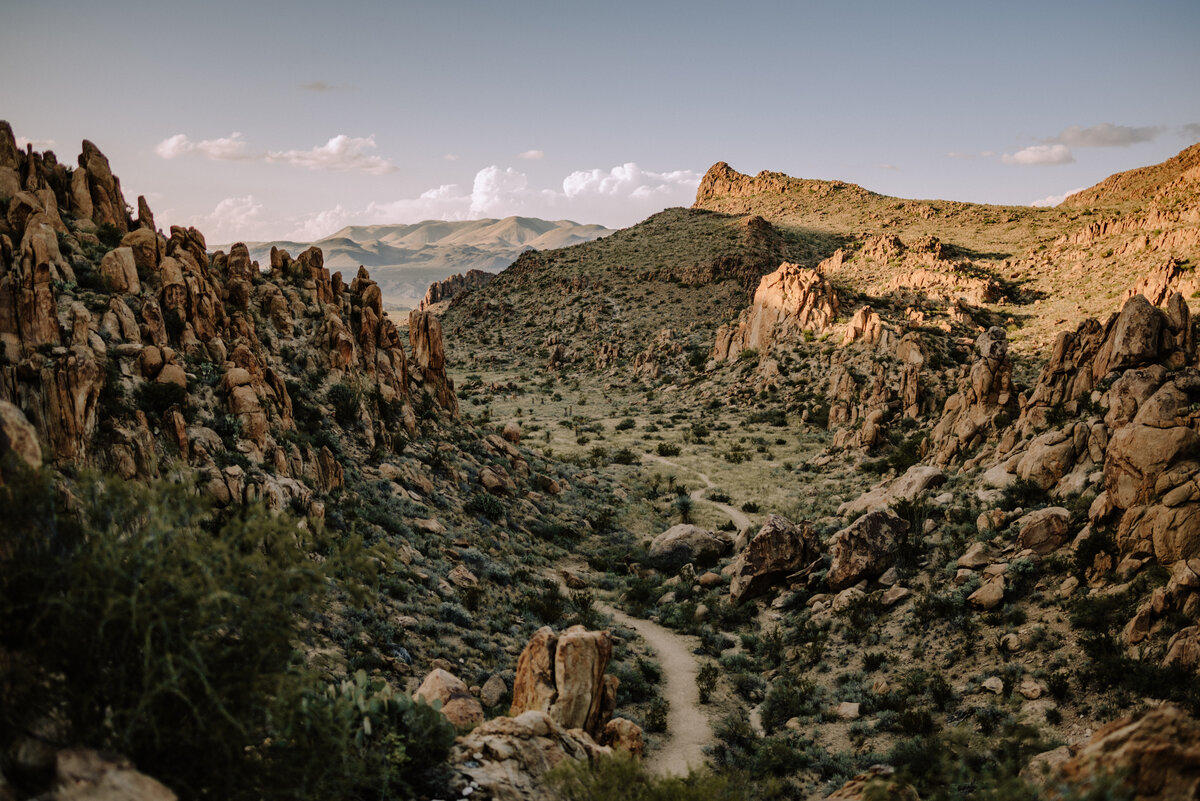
116,338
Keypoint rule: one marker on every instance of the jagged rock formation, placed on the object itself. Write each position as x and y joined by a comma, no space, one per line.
787,302
864,549
563,676
984,400
206,344
441,291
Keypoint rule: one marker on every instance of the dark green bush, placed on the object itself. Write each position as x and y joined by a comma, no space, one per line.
155,399
154,630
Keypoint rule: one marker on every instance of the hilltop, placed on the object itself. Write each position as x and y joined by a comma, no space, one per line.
405,259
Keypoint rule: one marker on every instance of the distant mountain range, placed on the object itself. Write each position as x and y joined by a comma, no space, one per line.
406,259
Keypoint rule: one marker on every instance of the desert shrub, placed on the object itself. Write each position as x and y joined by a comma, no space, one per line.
109,235
789,698
486,504
625,424
656,714
706,681
623,778
625,456
154,629
155,399
1025,494
344,399
667,449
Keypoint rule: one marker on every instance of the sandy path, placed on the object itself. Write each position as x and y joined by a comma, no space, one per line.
736,515
688,730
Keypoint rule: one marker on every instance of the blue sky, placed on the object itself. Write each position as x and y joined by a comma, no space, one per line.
290,119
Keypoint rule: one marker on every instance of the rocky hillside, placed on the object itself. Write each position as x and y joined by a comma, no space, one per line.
186,392
406,258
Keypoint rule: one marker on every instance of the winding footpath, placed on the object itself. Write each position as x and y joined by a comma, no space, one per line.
737,516
688,730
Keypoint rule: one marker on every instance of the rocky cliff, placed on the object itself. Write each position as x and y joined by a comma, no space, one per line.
121,342
441,291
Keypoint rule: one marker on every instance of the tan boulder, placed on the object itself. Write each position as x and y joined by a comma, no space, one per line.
1158,752
989,595
864,549
917,480
624,735
780,547
19,436
689,543
1044,530
564,677
877,782
86,775
493,690
458,705
507,759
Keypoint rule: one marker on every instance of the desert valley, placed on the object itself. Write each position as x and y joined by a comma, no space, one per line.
802,492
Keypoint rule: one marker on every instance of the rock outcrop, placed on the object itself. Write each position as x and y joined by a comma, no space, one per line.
1156,753
563,676
789,301
460,284
780,547
984,403
429,359
507,759
457,704
864,549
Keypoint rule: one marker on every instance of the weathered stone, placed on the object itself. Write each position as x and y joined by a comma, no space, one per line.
689,543
458,705
864,549
1044,530
780,547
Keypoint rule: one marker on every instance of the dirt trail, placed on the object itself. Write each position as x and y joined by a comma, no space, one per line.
688,731
737,516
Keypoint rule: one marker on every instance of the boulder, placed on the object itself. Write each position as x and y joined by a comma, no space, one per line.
458,705
19,436
877,782
780,547
915,481
989,595
86,775
1158,751
624,735
564,676
690,544
1044,530
864,549
507,759
492,690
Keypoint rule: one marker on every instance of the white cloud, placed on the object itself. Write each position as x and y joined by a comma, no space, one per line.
629,180
231,220
38,144
1054,200
1192,131
320,224
532,155
1106,135
230,148
1040,155
449,157
343,153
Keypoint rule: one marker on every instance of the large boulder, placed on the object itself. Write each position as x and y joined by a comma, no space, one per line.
563,676
19,436
877,782
1044,530
690,544
915,481
458,705
1157,751
507,759
86,775
780,547
864,549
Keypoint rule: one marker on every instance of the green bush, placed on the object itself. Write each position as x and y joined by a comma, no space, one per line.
153,629
623,778
344,399
155,399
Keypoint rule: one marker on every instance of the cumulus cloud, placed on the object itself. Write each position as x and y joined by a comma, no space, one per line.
317,225
229,148
1192,131
1040,155
450,157
629,180
231,220
38,144
532,155
1054,200
1105,135
342,153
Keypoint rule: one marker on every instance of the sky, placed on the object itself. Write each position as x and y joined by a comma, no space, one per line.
291,119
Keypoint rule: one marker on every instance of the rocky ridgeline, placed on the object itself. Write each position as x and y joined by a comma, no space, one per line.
460,284
207,343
